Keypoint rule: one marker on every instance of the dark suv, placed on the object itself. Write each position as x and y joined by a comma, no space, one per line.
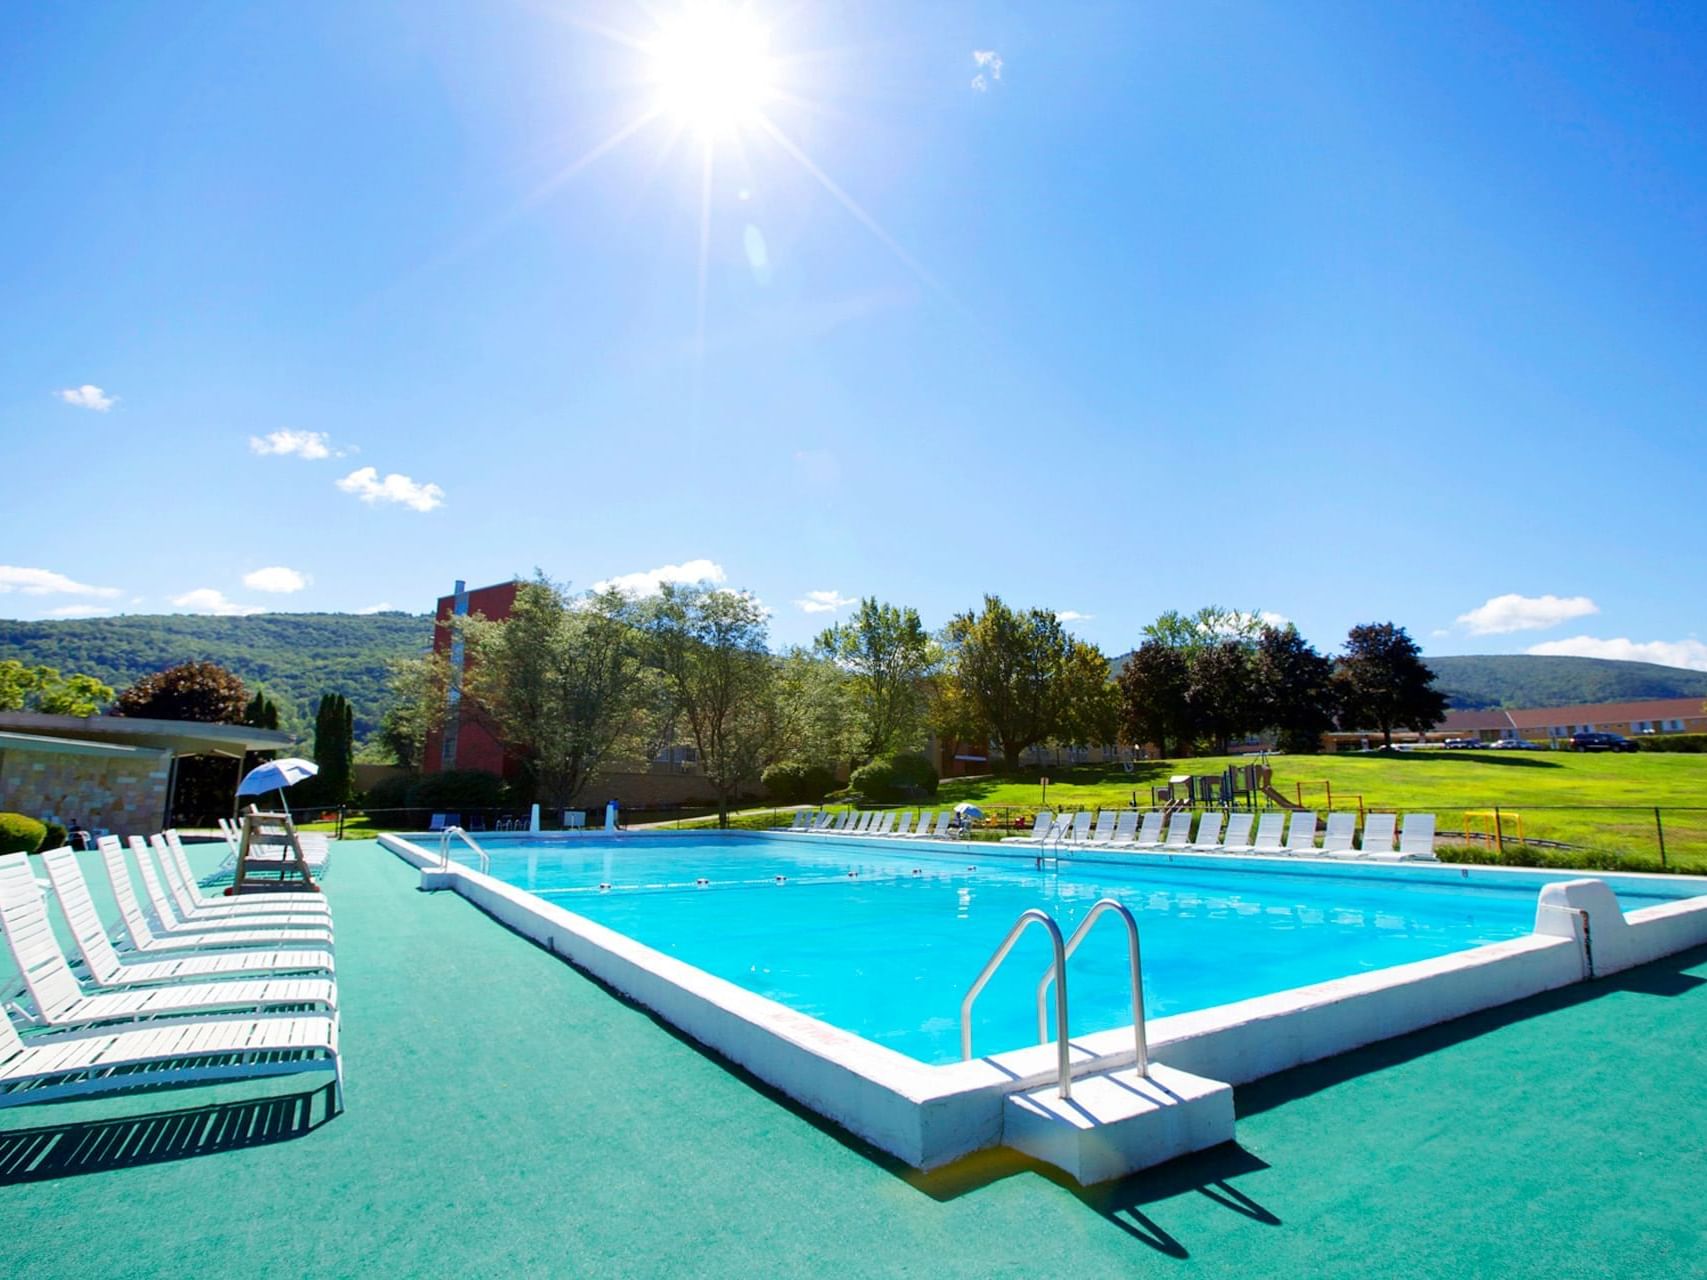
1600,742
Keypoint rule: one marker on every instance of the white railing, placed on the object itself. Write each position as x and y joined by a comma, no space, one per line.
1132,955
1028,917
444,848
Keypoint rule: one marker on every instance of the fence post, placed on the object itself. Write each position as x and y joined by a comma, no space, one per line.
1499,832
1660,831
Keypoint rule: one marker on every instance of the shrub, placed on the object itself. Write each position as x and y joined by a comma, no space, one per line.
56,837
899,777
1693,743
20,834
392,792
795,782
458,789
1518,854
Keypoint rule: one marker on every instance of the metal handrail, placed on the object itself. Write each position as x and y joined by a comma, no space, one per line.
1030,916
1102,905
444,848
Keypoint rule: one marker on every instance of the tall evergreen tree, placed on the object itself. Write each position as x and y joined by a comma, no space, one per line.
334,749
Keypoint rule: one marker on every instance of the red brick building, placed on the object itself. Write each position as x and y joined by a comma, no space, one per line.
465,742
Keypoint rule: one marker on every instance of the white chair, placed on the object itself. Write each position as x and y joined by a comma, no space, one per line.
1209,833
1179,830
885,820
1338,835
1269,830
1103,832
1237,838
905,826
1377,839
61,1001
1301,835
110,969
1150,831
133,1055
1080,831
230,913
1416,841
937,830
1125,829
802,820
278,930
186,891
1039,829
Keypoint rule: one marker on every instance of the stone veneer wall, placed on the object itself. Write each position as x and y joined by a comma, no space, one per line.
123,796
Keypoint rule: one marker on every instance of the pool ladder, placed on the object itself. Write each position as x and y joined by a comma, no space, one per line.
444,848
1057,973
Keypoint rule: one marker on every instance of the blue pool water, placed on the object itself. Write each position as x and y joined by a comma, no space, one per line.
888,953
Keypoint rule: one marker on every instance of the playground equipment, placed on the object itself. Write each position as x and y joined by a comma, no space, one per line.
1493,827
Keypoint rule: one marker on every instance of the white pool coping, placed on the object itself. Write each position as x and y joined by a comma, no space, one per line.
928,1115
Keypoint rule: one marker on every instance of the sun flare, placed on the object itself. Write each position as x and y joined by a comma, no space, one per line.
712,67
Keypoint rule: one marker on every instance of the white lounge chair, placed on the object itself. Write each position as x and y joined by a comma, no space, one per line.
1125,829
186,892
937,830
61,1001
1338,835
1209,833
133,1055
1039,829
155,938
110,969
905,826
1377,839
180,908
1237,838
1079,832
802,820
1270,828
256,930
1416,838
1179,830
885,820
1150,831
1301,835
1103,832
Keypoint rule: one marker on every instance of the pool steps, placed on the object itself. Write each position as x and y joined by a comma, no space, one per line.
1118,1122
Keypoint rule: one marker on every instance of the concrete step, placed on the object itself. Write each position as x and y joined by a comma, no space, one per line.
1118,1122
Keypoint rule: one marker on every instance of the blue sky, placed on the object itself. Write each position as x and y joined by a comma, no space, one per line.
1342,312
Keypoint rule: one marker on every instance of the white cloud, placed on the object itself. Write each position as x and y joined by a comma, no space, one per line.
45,582
824,601
384,606
276,578
81,611
210,600
1505,614
989,69
1689,653
365,483
307,445
1072,615
648,581
1269,618
87,397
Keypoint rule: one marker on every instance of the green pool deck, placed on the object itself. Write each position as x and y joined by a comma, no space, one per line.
508,1116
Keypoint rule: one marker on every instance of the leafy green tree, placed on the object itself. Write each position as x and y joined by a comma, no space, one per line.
419,689
1010,676
1221,691
1090,701
817,721
334,750
1208,626
564,682
1384,684
889,658
1295,685
710,645
43,689
203,691
1154,705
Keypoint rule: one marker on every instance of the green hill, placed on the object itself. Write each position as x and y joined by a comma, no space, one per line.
1529,680
294,657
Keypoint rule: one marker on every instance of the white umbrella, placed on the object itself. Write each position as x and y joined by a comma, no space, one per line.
276,775
966,810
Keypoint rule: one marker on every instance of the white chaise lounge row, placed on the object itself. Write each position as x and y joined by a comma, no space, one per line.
188,988
1218,832
852,822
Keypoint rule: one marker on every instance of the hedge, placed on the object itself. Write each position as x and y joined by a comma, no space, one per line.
796,782
1692,743
20,834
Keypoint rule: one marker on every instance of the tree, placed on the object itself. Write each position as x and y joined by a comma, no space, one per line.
1384,684
710,645
262,712
888,657
334,750
1008,672
1208,626
43,689
203,691
1090,701
816,718
1221,693
563,681
420,699
1295,687
1153,703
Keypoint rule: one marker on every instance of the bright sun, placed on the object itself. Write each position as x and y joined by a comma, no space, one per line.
712,65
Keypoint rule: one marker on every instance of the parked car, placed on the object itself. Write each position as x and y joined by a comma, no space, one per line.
1460,744
1514,744
1601,742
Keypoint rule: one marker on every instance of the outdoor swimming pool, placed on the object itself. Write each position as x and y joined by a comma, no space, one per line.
882,939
